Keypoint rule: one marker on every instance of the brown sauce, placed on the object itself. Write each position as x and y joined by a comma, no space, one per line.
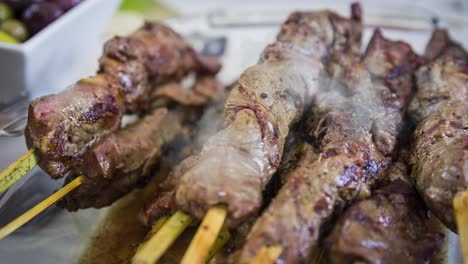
120,233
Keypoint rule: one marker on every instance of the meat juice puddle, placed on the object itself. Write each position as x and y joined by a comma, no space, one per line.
120,232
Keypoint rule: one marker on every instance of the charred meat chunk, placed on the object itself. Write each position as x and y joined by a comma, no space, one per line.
391,226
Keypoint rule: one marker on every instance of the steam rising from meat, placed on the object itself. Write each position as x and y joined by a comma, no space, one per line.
354,123
235,165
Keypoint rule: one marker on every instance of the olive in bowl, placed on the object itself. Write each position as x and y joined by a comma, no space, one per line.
38,15
31,16
56,55
15,28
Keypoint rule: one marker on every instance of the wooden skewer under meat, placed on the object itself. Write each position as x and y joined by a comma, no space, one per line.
235,165
61,127
354,123
39,208
460,204
267,255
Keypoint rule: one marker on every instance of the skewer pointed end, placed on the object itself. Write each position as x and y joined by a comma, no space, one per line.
163,235
199,249
460,203
267,255
39,208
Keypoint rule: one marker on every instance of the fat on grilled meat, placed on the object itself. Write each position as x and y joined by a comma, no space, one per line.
236,164
439,154
126,159
444,77
391,226
61,127
355,148
439,158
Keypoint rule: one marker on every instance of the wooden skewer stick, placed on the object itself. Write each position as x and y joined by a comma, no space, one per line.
17,170
24,218
460,204
267,255
154,248
222,238
156,227
199,249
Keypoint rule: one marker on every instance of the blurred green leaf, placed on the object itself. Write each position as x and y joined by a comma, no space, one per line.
137,5
150,9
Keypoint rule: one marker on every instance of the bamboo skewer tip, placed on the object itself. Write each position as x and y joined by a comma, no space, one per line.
220,241
153,249
460,204
267,255
199,249
39,208
17,170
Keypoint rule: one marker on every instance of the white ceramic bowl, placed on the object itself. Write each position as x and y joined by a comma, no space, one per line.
47,61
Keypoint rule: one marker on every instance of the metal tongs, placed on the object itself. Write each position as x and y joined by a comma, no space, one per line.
13,119
424,20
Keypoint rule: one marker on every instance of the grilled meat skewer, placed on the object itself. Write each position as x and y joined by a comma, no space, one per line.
438,149
236,164
443,78
61,127
127,158
391,226
355,147
439,155
440,158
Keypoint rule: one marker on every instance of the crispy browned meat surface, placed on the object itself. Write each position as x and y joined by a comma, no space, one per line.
354,149
389,227
235,165
61,127
443,78
127,158
439,158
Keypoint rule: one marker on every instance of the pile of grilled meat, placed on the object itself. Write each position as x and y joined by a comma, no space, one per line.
322,146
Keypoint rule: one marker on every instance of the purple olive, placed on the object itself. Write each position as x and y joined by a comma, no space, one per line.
66,5
37,16
20,4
